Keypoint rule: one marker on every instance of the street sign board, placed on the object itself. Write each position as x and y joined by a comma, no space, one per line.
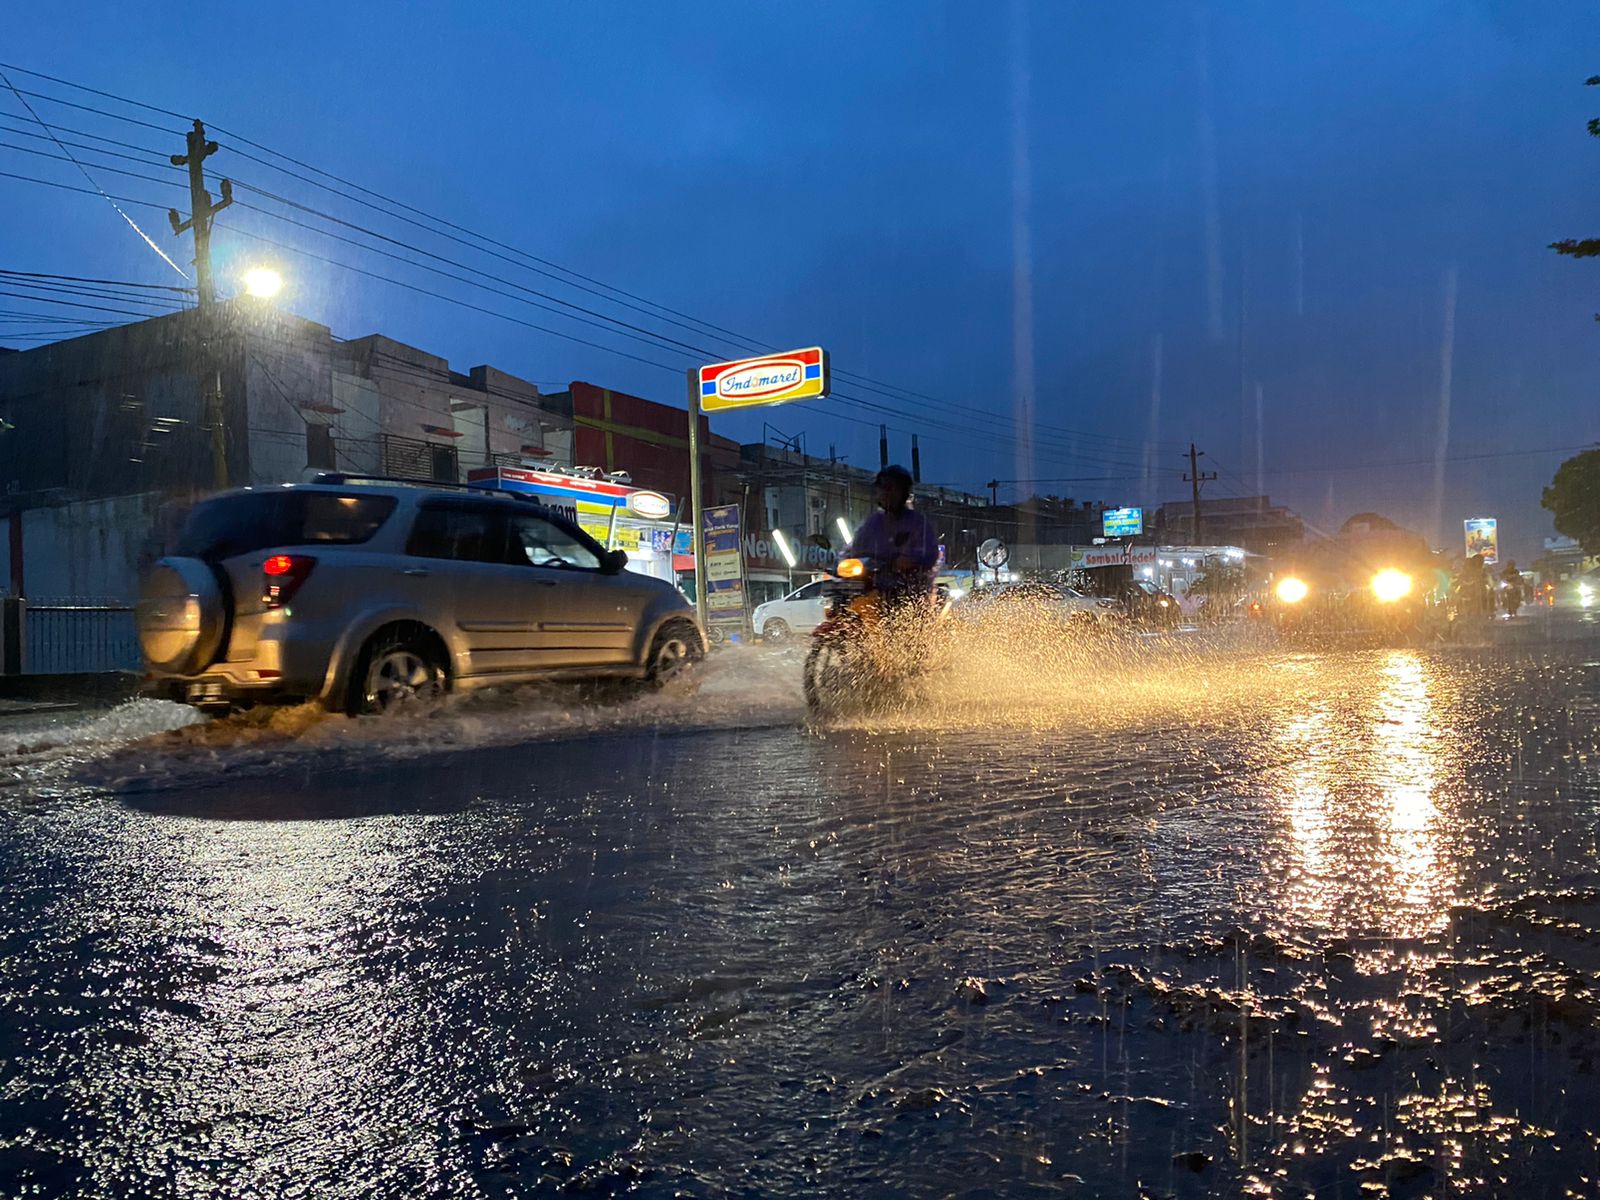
723,586
759,382
1483,537
1123,522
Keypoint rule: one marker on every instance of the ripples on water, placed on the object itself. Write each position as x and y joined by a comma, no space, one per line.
1211,921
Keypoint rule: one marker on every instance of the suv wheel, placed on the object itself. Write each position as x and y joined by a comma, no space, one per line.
396,672
674,651
775,630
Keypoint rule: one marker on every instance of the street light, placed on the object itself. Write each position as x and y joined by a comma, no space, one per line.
263,282
783,547
844,531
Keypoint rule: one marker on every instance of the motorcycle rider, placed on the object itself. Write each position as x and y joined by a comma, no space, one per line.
898,540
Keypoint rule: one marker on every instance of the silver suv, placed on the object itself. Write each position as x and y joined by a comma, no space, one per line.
364,595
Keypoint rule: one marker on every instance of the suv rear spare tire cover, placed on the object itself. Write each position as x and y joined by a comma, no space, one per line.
181,615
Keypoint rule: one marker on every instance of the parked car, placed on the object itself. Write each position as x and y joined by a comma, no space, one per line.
797,613
364,594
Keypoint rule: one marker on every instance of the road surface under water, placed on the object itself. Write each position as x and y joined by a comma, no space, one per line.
1195,922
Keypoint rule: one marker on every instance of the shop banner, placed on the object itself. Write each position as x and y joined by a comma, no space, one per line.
1483,537
724,582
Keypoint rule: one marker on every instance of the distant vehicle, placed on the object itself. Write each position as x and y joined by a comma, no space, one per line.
1048,599
800,611
368,594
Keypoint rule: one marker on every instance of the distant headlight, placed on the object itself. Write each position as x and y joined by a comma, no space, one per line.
1390,585
1291,590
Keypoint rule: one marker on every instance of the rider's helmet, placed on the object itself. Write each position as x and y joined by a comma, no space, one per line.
895,474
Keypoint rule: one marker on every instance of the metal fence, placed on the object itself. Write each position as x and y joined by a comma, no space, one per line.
74,636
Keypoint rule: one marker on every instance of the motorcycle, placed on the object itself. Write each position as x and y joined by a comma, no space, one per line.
868,645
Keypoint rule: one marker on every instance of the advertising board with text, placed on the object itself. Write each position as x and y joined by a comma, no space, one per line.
724,582
1123,522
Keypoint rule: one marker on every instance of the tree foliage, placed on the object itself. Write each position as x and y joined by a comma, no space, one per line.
1573,498
1583,247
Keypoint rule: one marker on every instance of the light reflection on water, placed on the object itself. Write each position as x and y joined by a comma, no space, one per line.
1300,929
1358,792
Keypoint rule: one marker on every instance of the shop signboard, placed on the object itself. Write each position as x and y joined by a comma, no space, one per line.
1123,522
1483,537
1088,557
724,582
769,379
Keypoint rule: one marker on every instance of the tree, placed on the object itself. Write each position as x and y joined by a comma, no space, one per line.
1573,497
1583,247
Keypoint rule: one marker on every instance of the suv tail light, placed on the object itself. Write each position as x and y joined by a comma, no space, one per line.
281,577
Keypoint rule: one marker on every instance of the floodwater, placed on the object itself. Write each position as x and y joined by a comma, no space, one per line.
1219,920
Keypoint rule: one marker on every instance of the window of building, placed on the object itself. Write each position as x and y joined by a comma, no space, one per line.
319,446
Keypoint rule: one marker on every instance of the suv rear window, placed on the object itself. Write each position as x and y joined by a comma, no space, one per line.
231,525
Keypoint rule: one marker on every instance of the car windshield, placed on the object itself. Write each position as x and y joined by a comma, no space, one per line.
250,521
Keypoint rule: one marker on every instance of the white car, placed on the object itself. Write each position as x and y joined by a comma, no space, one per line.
797,613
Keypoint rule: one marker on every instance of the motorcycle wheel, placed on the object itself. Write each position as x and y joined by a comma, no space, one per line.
824,677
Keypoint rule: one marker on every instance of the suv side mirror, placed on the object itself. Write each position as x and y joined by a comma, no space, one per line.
820,541
614,562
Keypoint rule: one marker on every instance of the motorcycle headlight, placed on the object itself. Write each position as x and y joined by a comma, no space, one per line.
851,568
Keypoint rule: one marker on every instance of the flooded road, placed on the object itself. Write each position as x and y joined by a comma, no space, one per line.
1241,922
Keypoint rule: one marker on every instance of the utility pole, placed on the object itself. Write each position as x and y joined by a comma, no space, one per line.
1194,477
202,210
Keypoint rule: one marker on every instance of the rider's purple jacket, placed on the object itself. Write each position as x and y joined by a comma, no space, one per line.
877,539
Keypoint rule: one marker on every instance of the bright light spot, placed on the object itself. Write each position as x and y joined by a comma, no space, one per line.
1585,595
783,547
263,282
851,568
1291,590
1148,572
1235,553
957,593
844,531
1389,585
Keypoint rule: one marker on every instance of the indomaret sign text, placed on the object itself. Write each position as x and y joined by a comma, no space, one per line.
770,379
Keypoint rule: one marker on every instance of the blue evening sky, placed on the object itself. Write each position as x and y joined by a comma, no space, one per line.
1143,215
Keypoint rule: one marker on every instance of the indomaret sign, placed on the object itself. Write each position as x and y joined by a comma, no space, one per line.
770,379
728,387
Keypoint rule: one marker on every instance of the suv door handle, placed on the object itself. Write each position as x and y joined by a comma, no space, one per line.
417,572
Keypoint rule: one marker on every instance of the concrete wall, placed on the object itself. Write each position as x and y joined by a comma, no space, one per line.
90,550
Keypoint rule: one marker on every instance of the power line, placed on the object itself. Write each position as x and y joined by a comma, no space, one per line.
865,382
161,287
84,171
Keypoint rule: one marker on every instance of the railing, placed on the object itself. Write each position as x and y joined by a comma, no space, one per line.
67,637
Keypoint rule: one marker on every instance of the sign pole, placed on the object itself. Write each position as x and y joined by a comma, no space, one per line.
701,583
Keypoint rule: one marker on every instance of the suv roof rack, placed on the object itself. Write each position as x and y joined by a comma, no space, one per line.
338,477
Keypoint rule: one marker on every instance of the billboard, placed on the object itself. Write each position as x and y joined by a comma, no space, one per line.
1483,537
1124,522
770,379
724,582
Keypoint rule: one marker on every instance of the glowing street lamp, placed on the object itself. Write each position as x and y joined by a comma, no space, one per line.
783,546
263,282
844,531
